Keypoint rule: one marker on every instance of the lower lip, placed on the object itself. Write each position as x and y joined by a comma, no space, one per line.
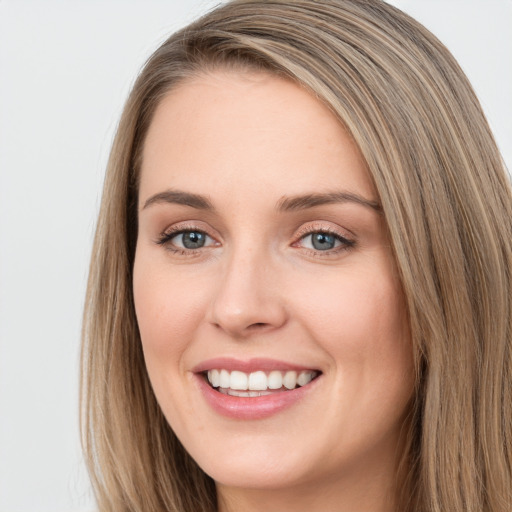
252,408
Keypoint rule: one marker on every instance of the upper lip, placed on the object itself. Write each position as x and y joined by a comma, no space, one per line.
248,366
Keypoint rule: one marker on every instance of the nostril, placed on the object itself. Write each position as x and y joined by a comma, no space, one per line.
257,325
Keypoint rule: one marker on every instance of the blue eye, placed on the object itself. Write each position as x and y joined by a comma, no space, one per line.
189,240
323,241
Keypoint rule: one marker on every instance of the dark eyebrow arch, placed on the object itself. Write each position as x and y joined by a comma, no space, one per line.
178,197
312,200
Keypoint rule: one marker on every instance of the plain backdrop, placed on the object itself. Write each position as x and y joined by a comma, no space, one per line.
65,70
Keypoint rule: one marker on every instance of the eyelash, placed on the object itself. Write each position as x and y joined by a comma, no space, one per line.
166,237
345,243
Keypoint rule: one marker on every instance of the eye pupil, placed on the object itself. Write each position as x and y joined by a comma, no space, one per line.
193,239
323,241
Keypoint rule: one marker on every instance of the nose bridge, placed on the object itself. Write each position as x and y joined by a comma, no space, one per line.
247,297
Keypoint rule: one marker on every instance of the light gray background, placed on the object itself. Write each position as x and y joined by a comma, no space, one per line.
65,70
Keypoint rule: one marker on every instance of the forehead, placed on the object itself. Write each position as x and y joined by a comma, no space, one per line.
250,130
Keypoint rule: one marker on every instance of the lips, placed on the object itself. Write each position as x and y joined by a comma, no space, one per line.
254,389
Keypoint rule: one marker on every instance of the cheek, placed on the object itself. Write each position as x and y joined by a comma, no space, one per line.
362,323
166,315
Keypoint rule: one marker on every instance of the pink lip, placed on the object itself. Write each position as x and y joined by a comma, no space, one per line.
252,365
250,408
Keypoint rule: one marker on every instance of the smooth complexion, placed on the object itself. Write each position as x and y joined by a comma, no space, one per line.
237,266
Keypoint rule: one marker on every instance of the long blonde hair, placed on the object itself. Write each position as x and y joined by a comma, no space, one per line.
447,201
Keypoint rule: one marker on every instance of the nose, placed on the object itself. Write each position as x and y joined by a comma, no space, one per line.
248,299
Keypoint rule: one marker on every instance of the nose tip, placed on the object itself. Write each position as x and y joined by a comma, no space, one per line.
249,315
248,301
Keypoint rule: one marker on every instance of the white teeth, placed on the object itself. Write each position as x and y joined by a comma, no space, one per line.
275,380
224,379
303,378
258,381
290,380
239,383
238,380
214,378
234,392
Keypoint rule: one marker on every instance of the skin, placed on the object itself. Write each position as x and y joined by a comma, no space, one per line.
258,288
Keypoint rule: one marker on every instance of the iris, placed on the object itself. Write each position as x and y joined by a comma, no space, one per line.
323,241
193,239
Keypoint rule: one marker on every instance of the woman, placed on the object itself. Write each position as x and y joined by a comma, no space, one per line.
300,288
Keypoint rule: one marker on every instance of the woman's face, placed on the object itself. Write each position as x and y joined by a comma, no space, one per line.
263,259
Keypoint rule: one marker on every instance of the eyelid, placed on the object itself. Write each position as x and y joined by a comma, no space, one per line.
324,227
347,242
189,225
165,236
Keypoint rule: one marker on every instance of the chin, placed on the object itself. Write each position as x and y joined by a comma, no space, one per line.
255,473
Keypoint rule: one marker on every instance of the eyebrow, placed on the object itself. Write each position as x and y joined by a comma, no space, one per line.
311,200
286,204
178,197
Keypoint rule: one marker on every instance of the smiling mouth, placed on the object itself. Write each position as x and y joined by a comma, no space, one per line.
258,383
